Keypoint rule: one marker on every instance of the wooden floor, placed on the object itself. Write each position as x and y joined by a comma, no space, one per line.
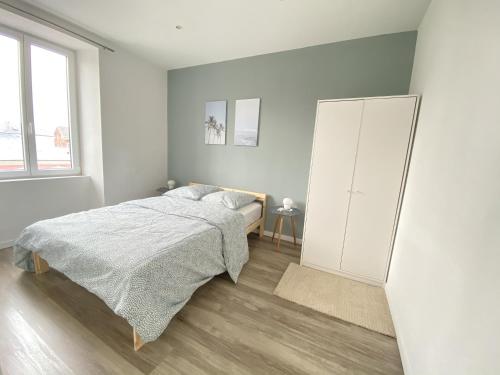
49,325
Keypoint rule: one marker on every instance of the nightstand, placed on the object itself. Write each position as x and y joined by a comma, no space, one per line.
281,213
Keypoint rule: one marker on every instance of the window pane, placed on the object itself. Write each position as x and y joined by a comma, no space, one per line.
11,138
49,79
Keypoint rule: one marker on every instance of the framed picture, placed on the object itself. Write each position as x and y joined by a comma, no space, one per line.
246,122
215,122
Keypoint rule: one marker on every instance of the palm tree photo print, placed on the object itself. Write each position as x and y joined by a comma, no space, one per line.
215,123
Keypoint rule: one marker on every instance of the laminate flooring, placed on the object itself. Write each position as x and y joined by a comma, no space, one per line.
50,325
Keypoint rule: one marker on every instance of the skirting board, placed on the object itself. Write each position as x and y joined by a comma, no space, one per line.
405,361
6,244
284,237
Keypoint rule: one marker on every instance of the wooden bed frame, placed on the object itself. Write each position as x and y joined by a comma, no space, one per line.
259,197
41,266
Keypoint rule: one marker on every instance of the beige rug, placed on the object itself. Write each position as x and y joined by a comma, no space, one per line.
346,299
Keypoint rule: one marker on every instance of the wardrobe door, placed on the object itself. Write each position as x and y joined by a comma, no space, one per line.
332,166
380,163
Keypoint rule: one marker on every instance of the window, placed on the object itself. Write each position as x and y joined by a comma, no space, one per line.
38,130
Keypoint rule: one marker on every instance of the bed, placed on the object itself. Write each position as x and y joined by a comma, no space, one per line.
144,258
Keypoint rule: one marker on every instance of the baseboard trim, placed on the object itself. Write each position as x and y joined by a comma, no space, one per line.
405,361
284,237
6,244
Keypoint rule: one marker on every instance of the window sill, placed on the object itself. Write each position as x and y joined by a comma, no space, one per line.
39,178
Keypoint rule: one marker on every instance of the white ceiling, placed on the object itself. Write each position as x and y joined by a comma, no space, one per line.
217,30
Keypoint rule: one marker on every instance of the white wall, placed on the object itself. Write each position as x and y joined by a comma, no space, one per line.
23,202
134,130
444,282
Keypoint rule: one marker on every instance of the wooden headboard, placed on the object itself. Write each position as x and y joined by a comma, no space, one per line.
261,197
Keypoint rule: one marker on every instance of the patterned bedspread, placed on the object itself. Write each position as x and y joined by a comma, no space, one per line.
143,258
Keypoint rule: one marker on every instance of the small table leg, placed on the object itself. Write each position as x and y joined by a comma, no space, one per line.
276,222
279,234
292,223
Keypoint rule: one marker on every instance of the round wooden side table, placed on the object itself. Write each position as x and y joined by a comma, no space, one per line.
281,213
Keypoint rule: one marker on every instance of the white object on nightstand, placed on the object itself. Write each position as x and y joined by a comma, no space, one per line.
287,203
171,184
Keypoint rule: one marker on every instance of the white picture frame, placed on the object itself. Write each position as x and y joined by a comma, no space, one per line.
246,122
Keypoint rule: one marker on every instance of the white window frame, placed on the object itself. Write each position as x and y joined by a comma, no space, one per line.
27,118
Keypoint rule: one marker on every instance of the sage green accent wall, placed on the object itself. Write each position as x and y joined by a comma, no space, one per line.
289,84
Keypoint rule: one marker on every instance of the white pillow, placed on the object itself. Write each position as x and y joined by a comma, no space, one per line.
230,199
193,192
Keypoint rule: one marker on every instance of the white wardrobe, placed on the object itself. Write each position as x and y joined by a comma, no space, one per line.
360,154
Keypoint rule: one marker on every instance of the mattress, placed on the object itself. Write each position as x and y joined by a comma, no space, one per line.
251,212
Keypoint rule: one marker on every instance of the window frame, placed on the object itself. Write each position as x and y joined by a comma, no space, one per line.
26,101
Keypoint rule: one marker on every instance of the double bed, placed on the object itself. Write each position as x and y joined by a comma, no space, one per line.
145,258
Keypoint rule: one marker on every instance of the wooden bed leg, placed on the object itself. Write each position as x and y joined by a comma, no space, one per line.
263,220
41,265
138,344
